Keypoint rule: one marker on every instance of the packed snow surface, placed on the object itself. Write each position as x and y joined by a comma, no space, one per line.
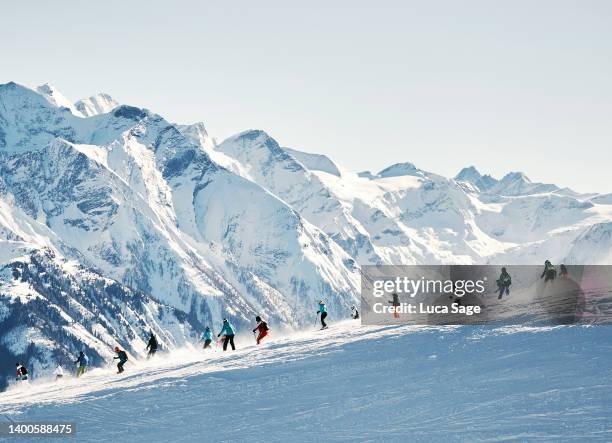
348,383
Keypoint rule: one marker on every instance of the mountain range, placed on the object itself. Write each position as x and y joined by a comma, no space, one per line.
115,222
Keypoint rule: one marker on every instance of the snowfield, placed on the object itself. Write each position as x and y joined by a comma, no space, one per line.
348,383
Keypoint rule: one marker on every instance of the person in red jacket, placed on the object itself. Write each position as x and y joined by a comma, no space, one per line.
262,328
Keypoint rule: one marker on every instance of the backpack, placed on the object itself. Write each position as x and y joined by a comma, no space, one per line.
265,326
24,371
85,361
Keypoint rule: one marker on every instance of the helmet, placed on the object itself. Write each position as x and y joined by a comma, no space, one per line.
207,328
258,318
225,320
117,349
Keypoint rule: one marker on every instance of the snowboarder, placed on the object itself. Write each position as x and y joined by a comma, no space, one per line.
354,313
503,283
228,332
549,271
59,373
152,345
262,328
122,357
82,361
207,337
323,311
22,372
396,304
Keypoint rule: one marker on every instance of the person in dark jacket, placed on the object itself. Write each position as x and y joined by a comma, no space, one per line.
122,357
396,304
261,328
503,283
549,271
354,313
82,361
22,372
228,333
152,345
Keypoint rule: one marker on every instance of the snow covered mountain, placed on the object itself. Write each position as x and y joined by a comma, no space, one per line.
111,212
127,196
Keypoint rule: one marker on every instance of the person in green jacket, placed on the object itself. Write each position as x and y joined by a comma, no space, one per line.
549,271
503,283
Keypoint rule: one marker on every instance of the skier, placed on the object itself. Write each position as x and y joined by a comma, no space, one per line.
207,337
59,373
122,357
503,283
549,271
396,303
563,271
262,328
228,332
354,313
152,345
323,311
82,361
22,372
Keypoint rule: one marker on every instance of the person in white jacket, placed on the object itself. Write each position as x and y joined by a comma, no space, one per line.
59,373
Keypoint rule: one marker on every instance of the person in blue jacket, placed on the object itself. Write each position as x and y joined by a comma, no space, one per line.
207,337
323,311
228,332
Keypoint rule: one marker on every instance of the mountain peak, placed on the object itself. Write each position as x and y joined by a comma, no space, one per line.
400,169
514,177
56,98
468,174
100,103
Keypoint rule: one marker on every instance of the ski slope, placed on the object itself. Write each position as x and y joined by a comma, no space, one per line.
348,383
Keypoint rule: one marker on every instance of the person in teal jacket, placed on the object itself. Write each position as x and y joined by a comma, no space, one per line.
323,311
228,332
207,337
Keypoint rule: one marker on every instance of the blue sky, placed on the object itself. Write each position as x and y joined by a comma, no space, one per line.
519,85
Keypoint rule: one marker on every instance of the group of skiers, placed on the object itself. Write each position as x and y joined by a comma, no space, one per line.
226,336
548,274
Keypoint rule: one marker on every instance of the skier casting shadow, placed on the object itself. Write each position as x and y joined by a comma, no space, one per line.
228,332
503,283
